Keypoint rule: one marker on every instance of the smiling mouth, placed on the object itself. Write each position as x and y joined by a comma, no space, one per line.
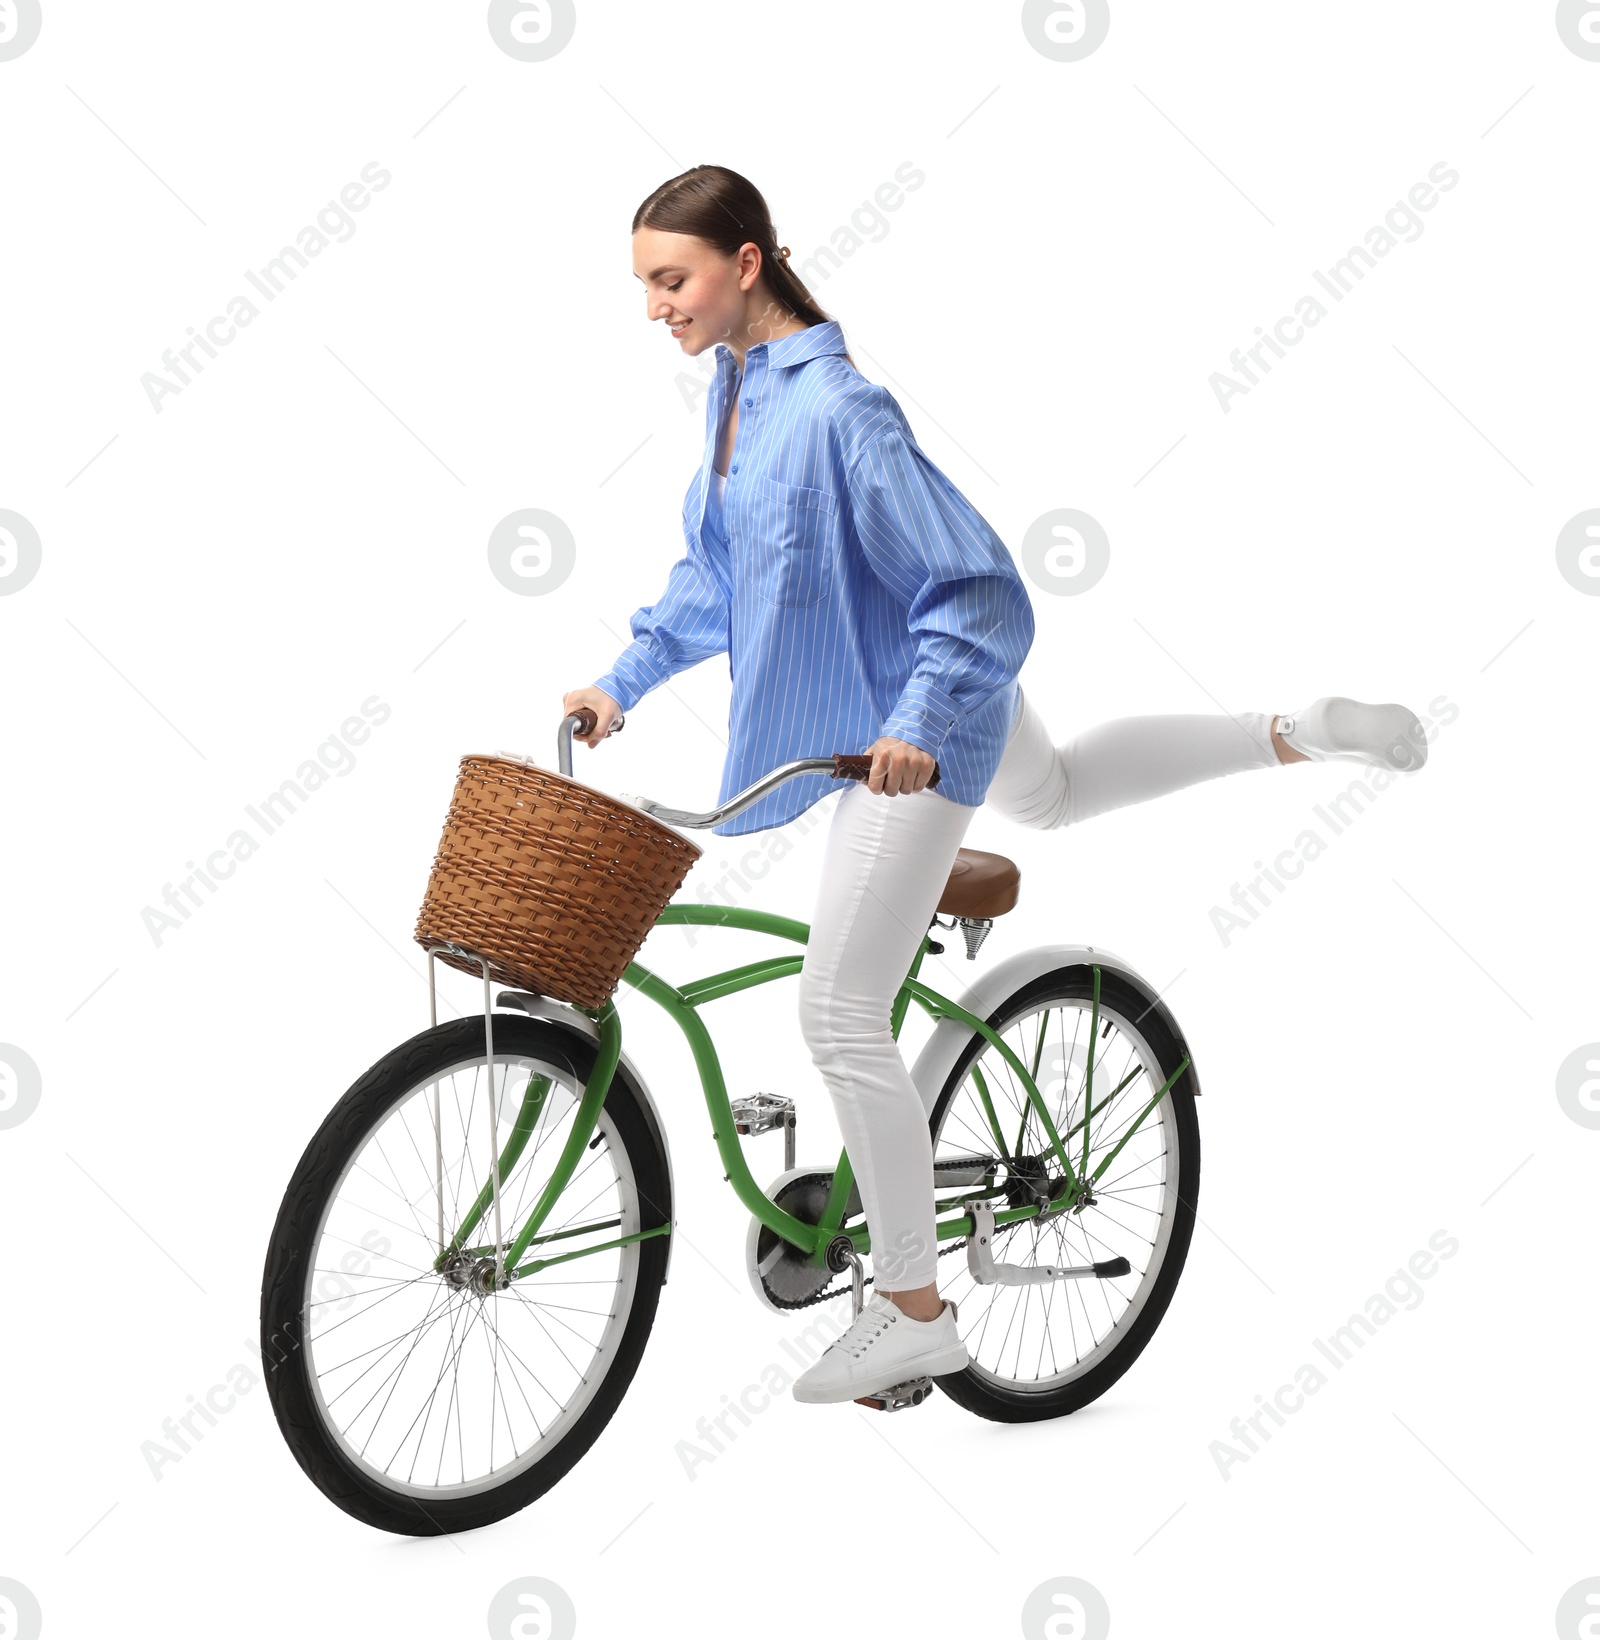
678,330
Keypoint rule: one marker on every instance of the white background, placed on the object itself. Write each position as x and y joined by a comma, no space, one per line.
305,527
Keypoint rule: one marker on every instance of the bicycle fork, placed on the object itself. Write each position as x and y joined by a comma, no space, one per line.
494,1268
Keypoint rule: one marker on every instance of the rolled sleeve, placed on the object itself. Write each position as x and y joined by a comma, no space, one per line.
637,671
966,604
923,715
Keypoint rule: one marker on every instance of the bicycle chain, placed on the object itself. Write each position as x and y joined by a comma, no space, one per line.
841,1292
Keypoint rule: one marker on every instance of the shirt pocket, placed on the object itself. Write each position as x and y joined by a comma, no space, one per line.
791,534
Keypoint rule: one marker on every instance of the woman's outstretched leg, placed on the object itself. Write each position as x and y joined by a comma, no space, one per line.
1128,760
1132,759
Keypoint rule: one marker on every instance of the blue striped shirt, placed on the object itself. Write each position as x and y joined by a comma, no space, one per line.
854,589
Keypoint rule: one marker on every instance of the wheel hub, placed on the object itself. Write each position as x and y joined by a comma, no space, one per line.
1029,1181
483,1281
472,1275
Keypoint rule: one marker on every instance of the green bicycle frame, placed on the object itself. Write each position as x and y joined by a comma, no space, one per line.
683,1004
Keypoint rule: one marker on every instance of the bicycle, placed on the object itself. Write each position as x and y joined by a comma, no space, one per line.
416,1304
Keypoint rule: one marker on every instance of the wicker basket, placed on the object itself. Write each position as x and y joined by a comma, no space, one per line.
556,884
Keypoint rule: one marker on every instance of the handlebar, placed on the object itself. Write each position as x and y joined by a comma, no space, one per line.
841,765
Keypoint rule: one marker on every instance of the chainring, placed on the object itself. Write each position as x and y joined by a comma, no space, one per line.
779,1272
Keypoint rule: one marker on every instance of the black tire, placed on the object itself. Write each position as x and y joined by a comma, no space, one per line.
980,1392
285,1282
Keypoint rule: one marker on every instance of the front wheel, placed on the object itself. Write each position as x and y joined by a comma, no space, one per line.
1041,1351
415,1394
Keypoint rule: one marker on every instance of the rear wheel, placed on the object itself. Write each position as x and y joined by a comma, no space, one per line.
1041,1351
421,1399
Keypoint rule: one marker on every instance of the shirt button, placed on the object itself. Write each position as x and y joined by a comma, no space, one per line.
748,403
734,468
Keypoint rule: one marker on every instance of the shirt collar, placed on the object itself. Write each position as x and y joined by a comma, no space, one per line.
811,343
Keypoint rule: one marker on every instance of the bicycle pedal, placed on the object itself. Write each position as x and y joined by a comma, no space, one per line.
760,1112
912,1393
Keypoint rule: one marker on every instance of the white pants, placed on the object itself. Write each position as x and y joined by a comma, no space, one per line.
884,870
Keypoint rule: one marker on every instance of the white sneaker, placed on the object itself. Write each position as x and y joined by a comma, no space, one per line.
1341,730
881,1347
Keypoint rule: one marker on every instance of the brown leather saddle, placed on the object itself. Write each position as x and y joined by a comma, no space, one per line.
980,885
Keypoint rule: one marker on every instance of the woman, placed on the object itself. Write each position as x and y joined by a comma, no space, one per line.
864,604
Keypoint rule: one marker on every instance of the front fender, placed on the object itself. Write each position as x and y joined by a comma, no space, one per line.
942,1049
563,1013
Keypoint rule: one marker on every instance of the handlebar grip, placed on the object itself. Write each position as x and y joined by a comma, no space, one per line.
586,717
858,765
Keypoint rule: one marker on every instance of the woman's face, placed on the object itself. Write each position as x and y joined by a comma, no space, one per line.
698,295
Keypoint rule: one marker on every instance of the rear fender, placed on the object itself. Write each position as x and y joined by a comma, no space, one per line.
943,1048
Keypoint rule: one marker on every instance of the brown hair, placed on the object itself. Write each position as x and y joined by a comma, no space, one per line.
726,210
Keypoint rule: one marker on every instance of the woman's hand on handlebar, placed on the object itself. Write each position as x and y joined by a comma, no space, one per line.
898,767
606,711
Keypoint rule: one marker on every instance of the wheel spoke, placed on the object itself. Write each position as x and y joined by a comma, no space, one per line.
1040,1340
